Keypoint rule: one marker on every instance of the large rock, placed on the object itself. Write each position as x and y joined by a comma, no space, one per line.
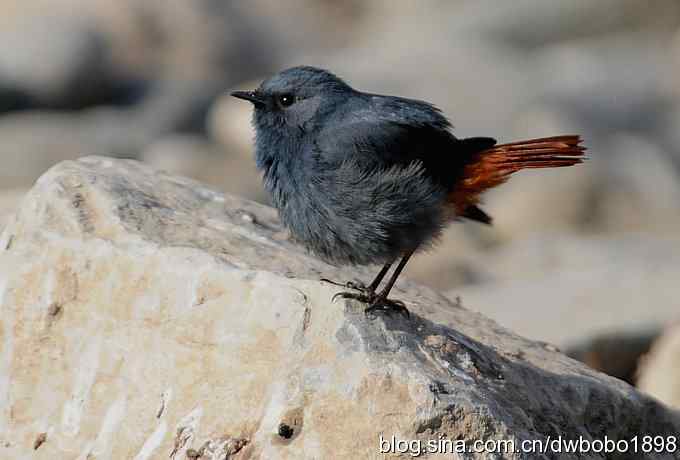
146,316
9,202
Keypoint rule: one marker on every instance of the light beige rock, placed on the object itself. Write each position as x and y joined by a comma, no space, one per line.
9,202
659,371
146,316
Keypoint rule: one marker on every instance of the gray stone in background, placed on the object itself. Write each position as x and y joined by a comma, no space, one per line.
658,373
55,60
617,353
145,315
140,71
563,289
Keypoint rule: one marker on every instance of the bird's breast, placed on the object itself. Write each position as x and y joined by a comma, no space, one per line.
347,215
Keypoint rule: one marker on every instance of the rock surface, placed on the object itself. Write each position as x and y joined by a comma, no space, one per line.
146,316
9,202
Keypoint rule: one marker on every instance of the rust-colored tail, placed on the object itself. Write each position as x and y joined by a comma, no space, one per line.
493,166
547,152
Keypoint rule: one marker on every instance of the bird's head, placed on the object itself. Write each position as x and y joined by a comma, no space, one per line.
294,99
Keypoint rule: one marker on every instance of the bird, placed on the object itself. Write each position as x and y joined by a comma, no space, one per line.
370,179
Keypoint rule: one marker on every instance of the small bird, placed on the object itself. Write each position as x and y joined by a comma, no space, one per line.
363,179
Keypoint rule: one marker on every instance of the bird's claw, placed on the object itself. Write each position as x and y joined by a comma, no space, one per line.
375,303
354,296
388,306
357,286
354,285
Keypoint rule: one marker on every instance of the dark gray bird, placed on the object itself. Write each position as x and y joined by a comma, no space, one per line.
362,178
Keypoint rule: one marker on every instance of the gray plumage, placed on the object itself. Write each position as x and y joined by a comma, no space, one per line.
356,177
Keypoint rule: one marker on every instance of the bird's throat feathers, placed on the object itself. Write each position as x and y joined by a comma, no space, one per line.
278,157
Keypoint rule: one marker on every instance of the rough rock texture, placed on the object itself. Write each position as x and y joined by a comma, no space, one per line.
659,371
146,316
9,201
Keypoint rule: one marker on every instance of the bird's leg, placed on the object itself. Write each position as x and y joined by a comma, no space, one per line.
378,279
380,302
359,286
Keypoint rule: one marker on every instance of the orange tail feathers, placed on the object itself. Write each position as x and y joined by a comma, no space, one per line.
547,152
493,166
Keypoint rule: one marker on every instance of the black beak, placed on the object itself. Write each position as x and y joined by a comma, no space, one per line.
251,96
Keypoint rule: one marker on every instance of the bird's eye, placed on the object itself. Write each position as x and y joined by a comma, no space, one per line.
286,100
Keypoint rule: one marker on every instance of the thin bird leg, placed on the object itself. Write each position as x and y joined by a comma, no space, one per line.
376,282
404,260
381,302
359,286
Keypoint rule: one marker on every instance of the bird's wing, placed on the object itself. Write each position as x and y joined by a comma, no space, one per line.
390,131
385,132
374,143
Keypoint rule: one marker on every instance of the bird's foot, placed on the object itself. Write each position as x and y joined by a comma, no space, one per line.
388,306
376,303
354,285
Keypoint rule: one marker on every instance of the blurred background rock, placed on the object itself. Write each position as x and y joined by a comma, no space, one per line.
586,258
